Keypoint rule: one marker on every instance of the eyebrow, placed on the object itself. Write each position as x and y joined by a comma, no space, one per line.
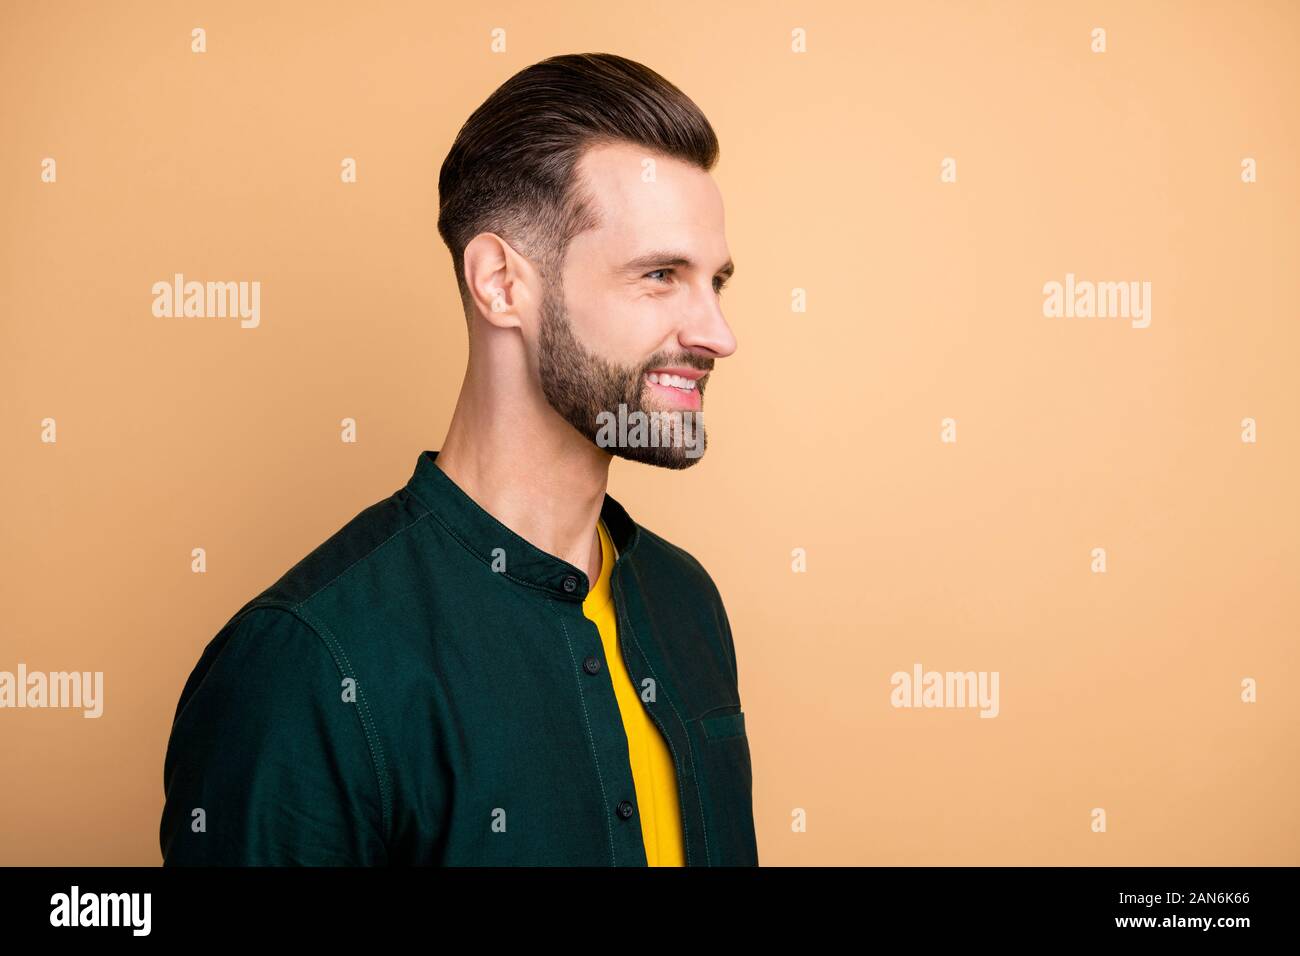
668,257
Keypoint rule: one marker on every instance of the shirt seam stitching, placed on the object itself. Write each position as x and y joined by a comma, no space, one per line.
364,715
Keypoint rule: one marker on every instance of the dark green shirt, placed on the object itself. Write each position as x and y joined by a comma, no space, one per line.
423,688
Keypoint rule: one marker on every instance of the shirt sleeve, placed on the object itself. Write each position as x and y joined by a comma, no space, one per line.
268,762
731,641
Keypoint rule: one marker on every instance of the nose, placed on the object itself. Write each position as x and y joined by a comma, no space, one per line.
706,330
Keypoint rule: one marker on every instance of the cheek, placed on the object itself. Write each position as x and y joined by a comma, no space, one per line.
622,330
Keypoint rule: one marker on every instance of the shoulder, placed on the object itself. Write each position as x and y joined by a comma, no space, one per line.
291,631
265,652
374,535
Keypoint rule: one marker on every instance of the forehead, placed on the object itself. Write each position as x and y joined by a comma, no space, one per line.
647,199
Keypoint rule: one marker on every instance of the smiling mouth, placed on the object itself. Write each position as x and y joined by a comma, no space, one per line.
672,381
676,391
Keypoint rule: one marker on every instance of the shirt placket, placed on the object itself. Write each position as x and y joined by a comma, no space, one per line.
665,717
621,824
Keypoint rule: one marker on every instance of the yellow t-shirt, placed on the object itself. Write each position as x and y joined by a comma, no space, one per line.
653,773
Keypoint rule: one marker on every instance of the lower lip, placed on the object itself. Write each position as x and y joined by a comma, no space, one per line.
676,397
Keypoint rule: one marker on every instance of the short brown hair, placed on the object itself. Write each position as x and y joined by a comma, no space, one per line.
510,170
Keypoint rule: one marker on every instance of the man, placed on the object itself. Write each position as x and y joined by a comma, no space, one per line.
496,665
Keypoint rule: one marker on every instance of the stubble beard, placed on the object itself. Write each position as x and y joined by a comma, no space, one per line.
580,385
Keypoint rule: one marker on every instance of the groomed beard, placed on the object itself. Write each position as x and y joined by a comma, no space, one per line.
580,385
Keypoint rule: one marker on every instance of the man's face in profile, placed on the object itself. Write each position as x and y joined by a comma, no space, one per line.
638,321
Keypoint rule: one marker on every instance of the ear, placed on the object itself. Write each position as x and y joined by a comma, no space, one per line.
501,282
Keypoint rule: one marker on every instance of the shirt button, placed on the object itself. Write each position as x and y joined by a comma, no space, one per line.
625,809
591,665
570,584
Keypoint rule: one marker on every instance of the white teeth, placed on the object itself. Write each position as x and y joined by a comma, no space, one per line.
675,381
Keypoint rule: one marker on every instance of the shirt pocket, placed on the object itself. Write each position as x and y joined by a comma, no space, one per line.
726,725
725,776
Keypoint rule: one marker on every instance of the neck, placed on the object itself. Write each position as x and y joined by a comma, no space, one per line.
528,468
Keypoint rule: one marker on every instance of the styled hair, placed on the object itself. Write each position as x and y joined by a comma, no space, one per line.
511,168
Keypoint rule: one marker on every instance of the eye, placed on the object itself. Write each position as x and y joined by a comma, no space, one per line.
719,282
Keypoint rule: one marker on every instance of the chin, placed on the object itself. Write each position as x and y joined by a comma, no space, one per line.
662,457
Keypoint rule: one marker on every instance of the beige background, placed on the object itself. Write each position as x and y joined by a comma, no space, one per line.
1118,691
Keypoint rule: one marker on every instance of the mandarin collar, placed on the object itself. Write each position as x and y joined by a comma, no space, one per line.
480,533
